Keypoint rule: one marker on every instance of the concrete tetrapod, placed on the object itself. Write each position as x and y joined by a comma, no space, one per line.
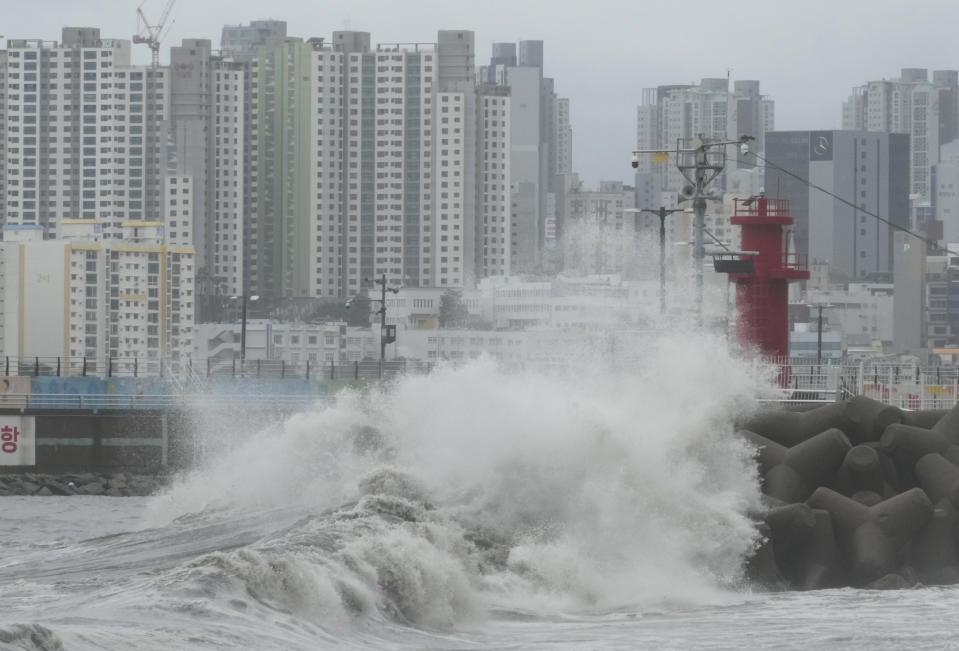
926,418
871,538
804,546
867,419
948,425
939,477
862,470
790,428
867,498
820,559
768,453
792,474
934,552
907,444
790,526
761,568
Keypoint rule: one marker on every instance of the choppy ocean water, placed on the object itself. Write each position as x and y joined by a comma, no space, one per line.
470,509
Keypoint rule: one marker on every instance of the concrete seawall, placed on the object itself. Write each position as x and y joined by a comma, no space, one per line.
138,441
145,441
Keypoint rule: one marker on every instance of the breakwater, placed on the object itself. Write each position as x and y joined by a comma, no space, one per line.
116,484
859,493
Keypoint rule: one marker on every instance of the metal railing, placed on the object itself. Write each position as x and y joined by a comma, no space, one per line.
182,370
150,402
357,370
907,386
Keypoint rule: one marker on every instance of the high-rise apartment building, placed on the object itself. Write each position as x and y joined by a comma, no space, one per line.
493,236
926,110
562,136
330,162
868,170
540,154
413,191
241,42
672,114
191,101
944,194
86,132
216,125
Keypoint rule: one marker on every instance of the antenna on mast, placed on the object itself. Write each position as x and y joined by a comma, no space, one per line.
152,34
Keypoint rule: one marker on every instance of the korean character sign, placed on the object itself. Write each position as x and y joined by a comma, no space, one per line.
17,441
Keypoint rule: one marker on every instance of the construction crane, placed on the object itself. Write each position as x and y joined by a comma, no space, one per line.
152,34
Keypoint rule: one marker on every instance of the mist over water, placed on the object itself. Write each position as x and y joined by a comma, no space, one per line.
438,500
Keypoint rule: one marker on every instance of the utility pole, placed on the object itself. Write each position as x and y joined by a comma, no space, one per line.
819,338
819,307
243,333
700,161
244,298
386,336
382,283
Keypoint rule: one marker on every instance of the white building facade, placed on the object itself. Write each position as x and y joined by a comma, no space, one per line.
926,110
128,299
85,132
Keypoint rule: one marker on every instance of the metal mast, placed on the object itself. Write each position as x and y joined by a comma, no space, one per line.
700,161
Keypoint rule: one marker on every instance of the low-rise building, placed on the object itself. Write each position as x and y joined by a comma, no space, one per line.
805,343
82,297
860,312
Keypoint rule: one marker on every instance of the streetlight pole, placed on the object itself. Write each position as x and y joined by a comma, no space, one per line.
819,307
243,332
662,213
819,338
244,298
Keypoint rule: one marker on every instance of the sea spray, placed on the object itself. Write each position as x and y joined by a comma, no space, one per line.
438,496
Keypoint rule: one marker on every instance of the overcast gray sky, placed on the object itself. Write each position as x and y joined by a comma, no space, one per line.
807,54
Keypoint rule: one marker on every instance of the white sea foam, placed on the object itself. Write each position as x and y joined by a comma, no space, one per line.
487,488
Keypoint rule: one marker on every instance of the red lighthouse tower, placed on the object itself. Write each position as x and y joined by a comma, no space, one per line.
762,295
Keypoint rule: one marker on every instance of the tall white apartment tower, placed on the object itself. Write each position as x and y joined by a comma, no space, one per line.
321,163
376,209
926,110
191,102
493,225
227,248
364,162
217,125
86,132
